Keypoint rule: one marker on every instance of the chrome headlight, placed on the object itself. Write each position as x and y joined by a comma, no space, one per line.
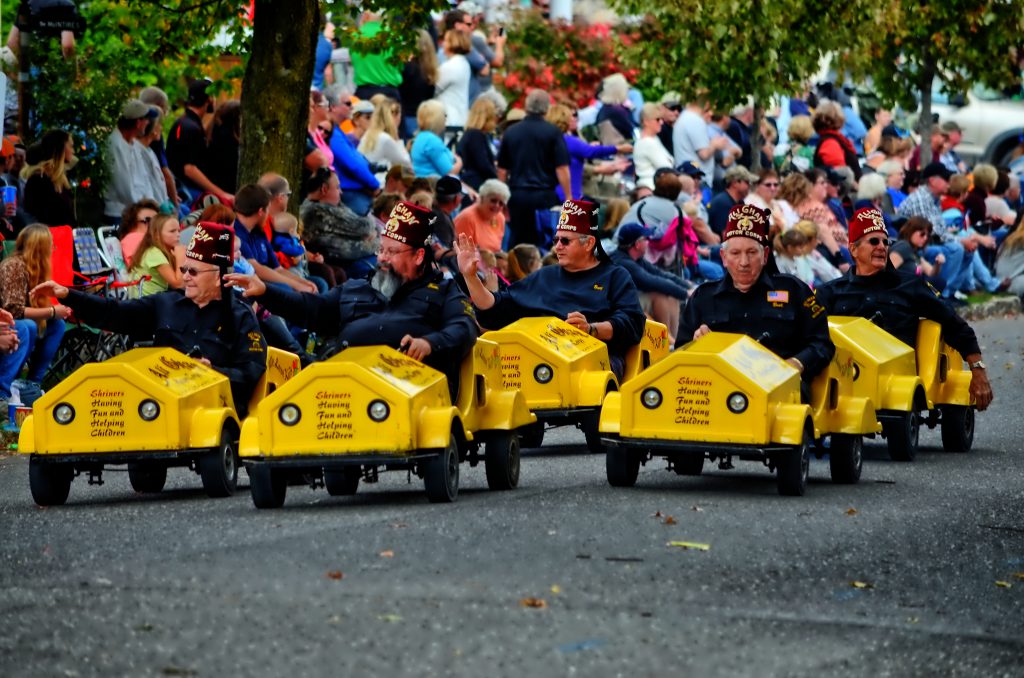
651,398
378,410
149,410
543,373
736,402
63,413
289,415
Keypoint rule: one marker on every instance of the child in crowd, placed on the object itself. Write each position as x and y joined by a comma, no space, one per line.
290,250
822,267
791,257
159,256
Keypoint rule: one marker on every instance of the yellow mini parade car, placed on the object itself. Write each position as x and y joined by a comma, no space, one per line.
723,396
564,373
373,408
148,408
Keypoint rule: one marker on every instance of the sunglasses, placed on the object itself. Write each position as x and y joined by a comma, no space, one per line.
875,242
147,221
564,241
770,184
188,270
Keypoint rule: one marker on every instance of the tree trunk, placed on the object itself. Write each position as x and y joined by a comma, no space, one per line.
275,106
755,138
925,121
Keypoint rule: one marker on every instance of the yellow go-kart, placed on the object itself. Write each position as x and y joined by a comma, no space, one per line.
148,408
372,408
564,373
725,396
928,385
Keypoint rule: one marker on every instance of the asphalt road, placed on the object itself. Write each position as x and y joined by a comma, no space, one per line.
384,583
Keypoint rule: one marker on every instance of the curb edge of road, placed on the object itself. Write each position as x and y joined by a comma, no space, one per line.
1000,306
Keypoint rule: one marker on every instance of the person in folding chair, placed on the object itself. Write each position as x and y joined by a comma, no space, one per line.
204,320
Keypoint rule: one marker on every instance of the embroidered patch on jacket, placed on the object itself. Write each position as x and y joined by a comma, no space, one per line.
779,296
598,287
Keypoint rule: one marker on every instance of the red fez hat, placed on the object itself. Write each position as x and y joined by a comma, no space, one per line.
747,221
410,224
212,244
865,221
579,216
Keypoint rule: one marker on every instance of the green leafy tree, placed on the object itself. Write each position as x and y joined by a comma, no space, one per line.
955,43
724,53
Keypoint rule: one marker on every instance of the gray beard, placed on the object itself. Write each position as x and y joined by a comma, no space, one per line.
386,282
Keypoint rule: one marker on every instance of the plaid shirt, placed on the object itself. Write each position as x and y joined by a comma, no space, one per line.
921,203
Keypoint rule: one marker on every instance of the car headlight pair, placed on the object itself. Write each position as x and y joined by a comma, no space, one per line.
290,414
736,402
64,413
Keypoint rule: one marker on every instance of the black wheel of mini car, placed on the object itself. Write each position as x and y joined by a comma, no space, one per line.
219,469
901,435
593,436
688,464
268,486
622,466
957,428
441,474
501,461
147,478
532,435
50,483
846,458
342,482
793,468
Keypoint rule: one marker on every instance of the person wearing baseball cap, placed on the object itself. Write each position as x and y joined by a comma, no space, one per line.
203,320
661,292
407,304
186,146
585,289
895,300
127,161
778,310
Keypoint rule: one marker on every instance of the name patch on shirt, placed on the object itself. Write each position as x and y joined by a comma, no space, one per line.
598,287
778,297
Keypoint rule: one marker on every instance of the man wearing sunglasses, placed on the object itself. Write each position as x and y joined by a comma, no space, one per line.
585,289
778,310
872,286
204,320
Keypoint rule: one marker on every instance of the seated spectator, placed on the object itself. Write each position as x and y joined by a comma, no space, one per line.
383,206
380,144
821,267
763,196
126,160
430,157
737,180
290,250
790,258
135,221
872,192
155,177
907,253
649,155
38,323
484,221
48,197
894,174
251,202
581,152
798,155
159,256
343,237
318,147
834,149
362,112
925,202
1010,260
398,180
614,120
523,259
661,293
811,205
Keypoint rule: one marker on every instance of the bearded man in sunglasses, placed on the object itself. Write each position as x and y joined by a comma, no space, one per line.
872,286
204,320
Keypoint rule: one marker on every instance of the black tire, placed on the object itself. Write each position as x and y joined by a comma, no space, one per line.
268,486
593,436
147,478
957,428
219,469
688,464
793,468
846,458
622,466
501,461
50,483
441,474
342,482
902,436
531,435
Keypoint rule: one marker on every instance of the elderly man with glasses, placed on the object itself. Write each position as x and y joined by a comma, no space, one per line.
872,286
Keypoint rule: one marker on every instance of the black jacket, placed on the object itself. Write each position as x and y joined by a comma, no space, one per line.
901,298
233,344
779,304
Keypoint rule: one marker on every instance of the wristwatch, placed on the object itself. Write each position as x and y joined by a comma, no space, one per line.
977,365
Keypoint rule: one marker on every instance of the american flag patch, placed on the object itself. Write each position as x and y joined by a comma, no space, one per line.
778,296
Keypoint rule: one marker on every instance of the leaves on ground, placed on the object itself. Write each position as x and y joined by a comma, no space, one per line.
851,511
669,520
335,575
1018,575
696,508
556,589
1004,584
537,603
390,618
862,585
690,545
387,554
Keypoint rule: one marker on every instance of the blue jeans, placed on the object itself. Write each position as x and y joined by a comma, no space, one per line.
37,351
709,270
952,270
357,201
978,273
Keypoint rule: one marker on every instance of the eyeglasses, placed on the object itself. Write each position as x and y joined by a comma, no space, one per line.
147,221
565,242
394,252
875,242
344,103
189,270
770,184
